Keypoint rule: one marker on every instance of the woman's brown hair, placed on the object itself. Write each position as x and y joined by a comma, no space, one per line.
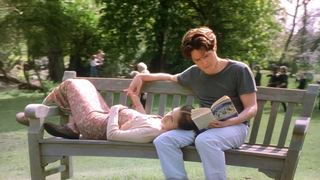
185,122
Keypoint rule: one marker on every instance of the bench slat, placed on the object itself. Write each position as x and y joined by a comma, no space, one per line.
280,94
176,101
149,103
123,98
162,104
309,101
271,123
190,100
256,122
60,143
286,124
113,84
109,98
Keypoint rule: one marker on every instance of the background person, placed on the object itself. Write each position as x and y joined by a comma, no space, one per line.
100,56
94,62
274,77
283,82
141,68
210,78
302,80
257,78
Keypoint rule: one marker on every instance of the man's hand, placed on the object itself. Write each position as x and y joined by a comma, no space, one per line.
135,85
219,124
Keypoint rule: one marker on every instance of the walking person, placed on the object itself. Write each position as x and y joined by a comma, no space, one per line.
283,82
274,77
94,62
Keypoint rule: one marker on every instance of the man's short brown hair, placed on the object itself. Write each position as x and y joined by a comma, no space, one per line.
201,38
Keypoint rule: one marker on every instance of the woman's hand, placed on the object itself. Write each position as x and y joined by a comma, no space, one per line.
135,99
118,107
135,85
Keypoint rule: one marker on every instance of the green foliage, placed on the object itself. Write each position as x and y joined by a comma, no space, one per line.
243,28
150,31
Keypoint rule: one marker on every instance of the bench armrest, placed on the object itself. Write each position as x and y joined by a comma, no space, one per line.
40,111
299,132
301,126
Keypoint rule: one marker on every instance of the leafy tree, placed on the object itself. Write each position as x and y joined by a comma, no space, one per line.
56,29
243,28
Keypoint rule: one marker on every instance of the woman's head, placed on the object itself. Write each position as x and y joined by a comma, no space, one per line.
180,118
198,39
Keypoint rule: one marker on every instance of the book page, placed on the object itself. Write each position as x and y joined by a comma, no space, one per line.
196,113
204,120
219,101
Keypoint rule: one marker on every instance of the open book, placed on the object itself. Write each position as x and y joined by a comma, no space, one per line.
221,110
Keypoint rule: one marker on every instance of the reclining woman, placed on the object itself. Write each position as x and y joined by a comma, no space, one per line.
93,119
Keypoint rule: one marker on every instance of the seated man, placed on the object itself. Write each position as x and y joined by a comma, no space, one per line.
210,78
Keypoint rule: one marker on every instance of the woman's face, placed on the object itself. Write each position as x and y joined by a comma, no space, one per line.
170,120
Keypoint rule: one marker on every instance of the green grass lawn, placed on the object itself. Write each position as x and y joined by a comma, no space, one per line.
14,159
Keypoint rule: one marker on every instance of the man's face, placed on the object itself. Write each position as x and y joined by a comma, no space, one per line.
205,60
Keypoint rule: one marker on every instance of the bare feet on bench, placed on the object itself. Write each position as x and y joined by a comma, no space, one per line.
21,118
60,130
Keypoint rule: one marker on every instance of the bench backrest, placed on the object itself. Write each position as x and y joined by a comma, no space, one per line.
268,127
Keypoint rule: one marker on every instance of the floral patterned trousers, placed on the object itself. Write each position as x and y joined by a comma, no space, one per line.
89,112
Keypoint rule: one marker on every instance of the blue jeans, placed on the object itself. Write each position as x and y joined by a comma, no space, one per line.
93,71
210,146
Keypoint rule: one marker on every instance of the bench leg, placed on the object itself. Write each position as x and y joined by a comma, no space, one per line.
271,174
290,165
68,162
37,169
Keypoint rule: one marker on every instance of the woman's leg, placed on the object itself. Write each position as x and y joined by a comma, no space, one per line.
81,97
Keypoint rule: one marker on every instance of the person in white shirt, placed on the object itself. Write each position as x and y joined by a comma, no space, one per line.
94,62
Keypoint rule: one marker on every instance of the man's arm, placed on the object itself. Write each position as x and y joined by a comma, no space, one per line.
249,102
137,81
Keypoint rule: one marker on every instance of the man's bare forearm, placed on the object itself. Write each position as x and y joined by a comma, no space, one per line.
155,77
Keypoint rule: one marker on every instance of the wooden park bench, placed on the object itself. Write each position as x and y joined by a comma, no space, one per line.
273,147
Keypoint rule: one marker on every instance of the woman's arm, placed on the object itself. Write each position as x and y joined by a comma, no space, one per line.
136,102
138,135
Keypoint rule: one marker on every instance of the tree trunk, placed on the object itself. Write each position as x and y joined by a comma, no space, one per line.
158,62
283,55
76,64
56,65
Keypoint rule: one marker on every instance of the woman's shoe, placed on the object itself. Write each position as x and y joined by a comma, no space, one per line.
60,130
22,119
